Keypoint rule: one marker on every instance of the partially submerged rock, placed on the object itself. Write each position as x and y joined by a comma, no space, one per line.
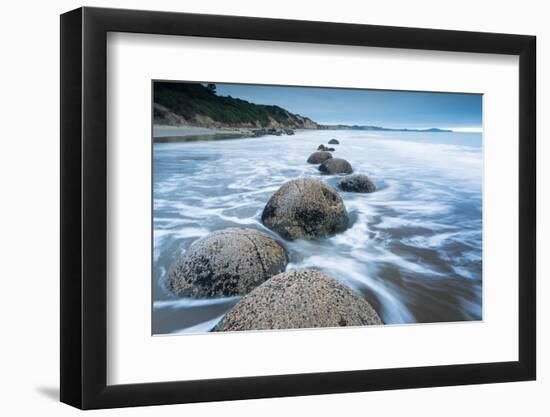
305,208
333,142
357,183
302,298
228,262
319,157
335,166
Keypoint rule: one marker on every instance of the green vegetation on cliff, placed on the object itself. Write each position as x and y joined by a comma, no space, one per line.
194,104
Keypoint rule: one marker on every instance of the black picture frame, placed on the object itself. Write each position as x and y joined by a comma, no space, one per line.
84,207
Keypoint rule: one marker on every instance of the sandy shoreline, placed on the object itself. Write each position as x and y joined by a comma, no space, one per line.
167,134
160,131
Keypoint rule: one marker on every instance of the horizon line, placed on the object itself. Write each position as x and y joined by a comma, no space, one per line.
456,129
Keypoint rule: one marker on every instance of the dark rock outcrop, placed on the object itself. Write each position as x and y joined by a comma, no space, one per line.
333,142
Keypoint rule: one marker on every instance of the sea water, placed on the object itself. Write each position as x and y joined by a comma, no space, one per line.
413,248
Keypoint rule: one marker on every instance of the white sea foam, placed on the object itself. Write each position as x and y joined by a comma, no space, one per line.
422,225
192,302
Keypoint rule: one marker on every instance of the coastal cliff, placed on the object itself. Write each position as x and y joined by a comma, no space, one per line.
195,104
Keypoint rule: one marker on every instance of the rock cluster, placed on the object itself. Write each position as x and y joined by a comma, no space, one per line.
249,263
325,148
276,132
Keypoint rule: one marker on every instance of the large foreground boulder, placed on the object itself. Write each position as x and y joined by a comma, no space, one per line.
302,298
357,183
335,166
319,157
228,262
305,208
333,142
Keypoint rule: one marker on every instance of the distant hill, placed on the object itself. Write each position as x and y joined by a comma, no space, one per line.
194,104
379,128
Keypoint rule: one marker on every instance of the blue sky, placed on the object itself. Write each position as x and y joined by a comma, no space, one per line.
395,109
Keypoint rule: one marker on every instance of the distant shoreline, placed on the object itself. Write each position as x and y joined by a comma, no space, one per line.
160,130
175,134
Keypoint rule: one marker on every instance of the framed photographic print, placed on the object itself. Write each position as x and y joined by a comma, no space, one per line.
257,207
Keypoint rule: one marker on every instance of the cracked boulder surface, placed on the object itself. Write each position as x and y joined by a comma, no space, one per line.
228,262
302,298
305,208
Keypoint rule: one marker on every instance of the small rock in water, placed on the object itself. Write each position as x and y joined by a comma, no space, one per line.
303,298
322,148
333,142
335,166
357,183
228,262
318,157
305,208
330,149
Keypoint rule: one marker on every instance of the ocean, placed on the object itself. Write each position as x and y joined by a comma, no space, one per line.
413,248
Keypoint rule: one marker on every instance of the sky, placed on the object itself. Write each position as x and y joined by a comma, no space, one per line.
393,109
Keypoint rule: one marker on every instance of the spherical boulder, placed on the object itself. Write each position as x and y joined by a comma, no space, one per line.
305,208
228,262
335,166
333,142
303,298
357,183
319,157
